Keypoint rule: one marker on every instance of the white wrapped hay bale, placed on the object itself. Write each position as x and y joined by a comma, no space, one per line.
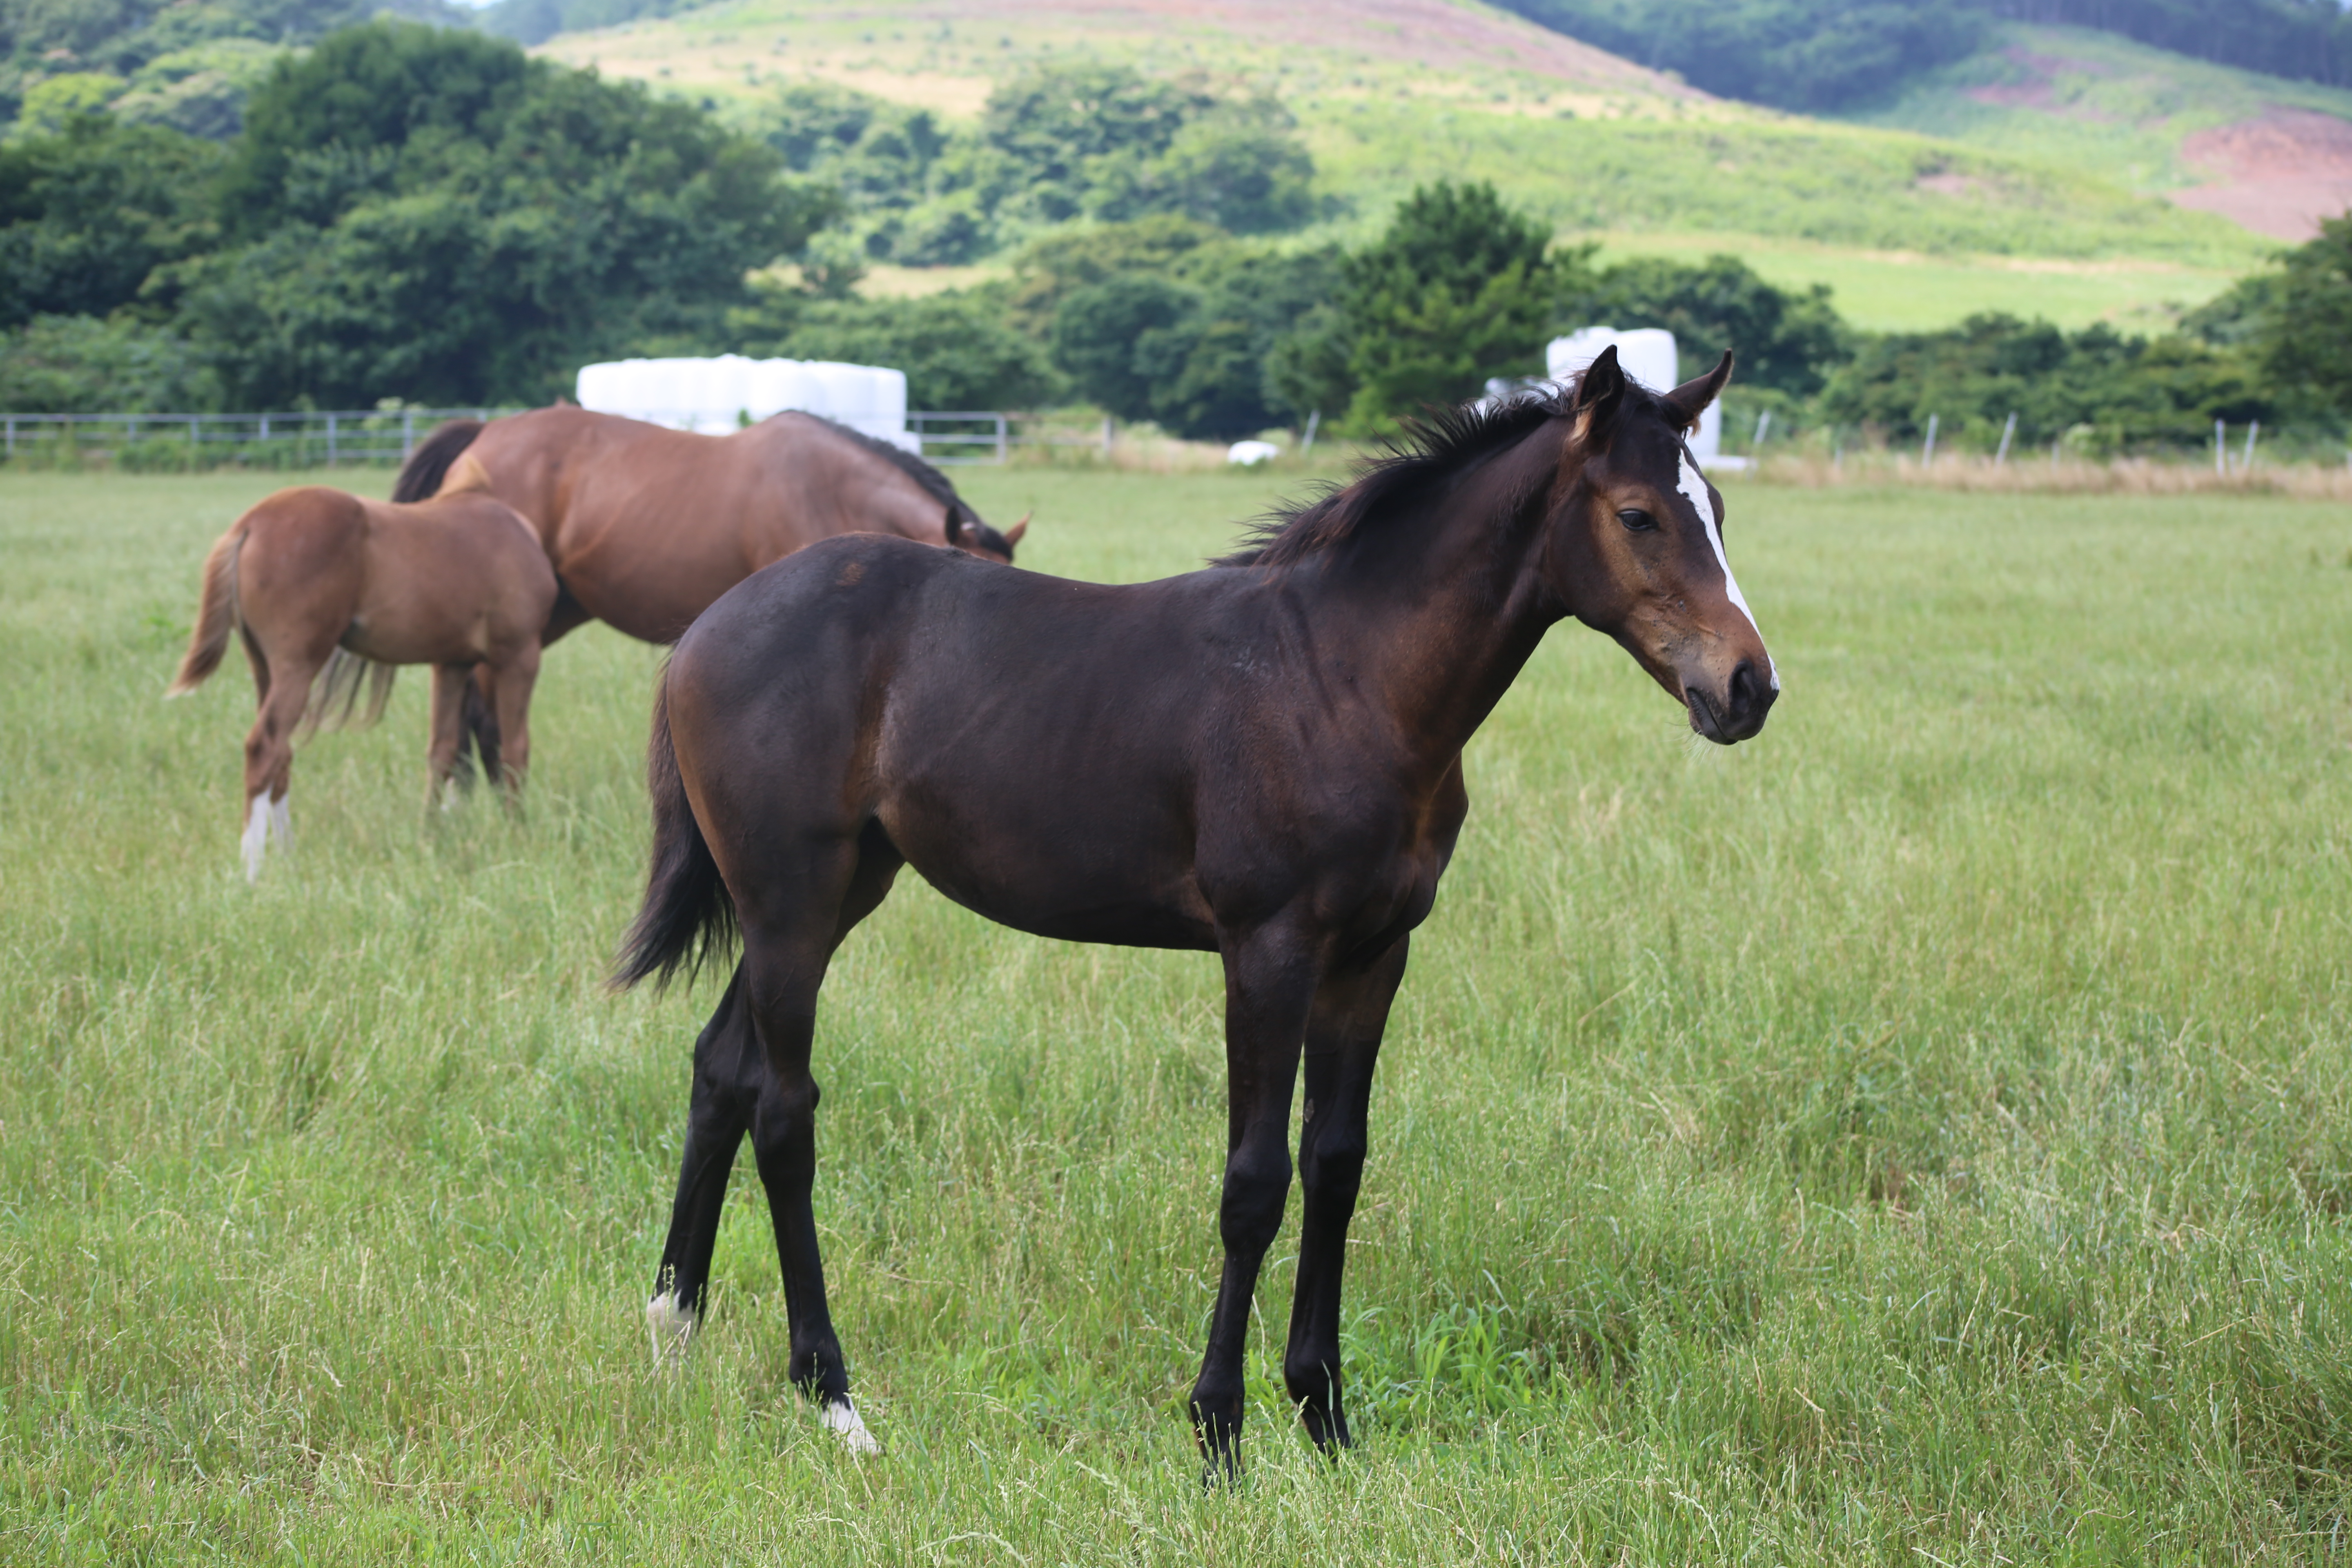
1647,354
714,396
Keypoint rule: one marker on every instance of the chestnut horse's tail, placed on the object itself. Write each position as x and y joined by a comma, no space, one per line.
687,912
420,477
215,615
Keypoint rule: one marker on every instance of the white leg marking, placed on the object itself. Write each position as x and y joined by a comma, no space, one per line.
256,841
1694,489
672,1327
843,1418
281,822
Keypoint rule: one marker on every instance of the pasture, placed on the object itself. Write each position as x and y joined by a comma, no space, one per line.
1921,1135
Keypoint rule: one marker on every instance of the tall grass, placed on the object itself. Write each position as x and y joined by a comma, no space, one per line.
1919,1135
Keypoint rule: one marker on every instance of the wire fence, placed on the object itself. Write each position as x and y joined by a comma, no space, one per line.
339,437
309,438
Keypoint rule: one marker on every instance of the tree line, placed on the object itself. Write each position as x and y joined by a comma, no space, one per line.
428,214
1817,56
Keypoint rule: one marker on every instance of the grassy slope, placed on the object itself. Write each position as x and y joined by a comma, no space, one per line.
2118,109
1819,201
1919,1135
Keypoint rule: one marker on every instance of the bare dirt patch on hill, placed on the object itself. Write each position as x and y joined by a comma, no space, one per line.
1430,33
2280,172
1435,36
2036,85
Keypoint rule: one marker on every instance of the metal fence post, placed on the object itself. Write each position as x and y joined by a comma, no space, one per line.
407,433
12,437
1000,439
330,440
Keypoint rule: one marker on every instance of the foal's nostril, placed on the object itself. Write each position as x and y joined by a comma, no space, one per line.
1749,693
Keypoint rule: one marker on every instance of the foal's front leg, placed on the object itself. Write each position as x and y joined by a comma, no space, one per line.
1269,983
1343,1041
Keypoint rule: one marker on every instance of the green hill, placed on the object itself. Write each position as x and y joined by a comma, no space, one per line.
2268,152
1912,229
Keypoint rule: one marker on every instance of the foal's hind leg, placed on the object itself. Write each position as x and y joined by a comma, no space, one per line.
1343,1040
285,688
827,885
728,1067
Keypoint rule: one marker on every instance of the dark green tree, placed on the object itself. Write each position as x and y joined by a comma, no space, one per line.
1459,290
432,216
1805,55
87,216
1105,338
957,347
1062,129
2308,339
2125,393
86,364
1787,341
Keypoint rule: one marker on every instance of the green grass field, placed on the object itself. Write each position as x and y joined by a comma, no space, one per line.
1921,1135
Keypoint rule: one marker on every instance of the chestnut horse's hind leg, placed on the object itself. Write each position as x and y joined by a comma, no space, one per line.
1343,1041
1270,979
727,1068
450,683
510,689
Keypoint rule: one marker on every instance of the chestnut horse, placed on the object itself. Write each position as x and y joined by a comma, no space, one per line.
330,592
645,525
1262,760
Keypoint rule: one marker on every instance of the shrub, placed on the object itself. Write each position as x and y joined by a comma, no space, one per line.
83,364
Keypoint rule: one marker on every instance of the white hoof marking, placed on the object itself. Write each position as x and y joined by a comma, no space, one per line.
672,1327
255,842
843,1418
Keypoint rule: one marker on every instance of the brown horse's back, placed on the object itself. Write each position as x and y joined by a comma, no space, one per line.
646,526
456,580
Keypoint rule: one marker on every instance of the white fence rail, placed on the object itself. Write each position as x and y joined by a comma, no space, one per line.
334,437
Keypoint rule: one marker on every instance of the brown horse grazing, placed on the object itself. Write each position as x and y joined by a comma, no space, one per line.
330,591
646,526
1262,760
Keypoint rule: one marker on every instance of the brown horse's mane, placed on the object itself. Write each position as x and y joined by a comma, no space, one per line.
1431,447
934,483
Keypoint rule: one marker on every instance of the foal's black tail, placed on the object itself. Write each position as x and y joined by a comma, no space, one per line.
687,912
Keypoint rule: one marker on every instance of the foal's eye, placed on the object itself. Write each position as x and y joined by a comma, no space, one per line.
1637,519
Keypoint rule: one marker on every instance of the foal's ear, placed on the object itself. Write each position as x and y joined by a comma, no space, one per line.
1600,393
1013,535
954,530
1686,403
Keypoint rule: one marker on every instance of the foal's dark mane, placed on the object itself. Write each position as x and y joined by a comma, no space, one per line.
1435,446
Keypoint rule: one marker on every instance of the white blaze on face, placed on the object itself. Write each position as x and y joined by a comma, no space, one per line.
1694,489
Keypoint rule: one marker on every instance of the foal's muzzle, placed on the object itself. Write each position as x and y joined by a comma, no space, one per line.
1737,711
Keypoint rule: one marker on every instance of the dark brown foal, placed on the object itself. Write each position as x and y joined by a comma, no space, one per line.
1263,759
328,591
